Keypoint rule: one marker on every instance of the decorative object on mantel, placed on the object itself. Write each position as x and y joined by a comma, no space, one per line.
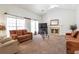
73,27
54,22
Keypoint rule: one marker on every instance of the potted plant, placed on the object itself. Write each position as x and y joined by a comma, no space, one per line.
73,27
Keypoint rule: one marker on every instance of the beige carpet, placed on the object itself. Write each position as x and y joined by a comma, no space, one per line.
53,45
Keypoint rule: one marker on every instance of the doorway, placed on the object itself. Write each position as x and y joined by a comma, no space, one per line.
34,26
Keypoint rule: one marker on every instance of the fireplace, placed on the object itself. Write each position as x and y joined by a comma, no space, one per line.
54,29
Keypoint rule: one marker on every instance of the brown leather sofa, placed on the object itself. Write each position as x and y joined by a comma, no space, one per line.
72,42
21,35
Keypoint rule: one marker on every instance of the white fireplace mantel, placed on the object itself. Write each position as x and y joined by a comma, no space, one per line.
54,27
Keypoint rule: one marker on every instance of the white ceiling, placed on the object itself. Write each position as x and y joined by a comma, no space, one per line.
41,9
36,8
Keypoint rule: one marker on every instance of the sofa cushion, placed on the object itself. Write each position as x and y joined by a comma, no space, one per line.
68,33
24,32
22,37
19,32
12,31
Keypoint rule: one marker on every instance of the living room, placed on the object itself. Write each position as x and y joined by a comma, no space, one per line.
23,19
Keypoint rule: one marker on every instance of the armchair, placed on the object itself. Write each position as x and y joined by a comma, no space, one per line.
72,42
72,46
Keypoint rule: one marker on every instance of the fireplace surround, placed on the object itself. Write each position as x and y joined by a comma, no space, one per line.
54,29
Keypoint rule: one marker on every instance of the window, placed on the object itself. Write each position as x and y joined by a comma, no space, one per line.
14,23
20,23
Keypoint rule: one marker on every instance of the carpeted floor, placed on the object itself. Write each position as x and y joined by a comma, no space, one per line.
53,45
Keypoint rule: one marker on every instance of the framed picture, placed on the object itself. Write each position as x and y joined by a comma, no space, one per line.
54,22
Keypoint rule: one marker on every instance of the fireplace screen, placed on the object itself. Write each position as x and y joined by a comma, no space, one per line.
55,31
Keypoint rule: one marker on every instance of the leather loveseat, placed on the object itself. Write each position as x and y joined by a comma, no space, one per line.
21,35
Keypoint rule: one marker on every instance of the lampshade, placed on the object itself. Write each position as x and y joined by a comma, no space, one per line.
2,27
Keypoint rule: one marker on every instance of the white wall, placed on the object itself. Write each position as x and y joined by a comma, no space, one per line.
66,18
77,17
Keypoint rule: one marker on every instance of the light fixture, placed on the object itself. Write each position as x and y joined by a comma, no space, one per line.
53,6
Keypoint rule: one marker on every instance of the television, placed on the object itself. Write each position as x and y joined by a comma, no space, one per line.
43,28
42,25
